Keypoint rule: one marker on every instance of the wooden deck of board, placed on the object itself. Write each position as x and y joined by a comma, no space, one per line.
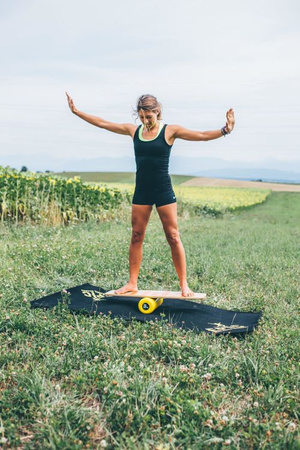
156,294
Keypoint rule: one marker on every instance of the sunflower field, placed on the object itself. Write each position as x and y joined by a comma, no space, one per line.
47,198
39,198
218,200
210,200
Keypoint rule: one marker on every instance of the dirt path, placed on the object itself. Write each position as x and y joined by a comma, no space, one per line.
218,182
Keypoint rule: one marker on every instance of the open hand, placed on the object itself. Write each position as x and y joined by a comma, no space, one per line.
71,103
230,120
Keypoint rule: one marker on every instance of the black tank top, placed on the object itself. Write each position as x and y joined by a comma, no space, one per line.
152,162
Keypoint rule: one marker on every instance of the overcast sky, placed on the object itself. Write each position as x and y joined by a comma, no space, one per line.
198,58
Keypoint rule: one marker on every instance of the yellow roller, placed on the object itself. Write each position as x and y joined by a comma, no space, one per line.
147,305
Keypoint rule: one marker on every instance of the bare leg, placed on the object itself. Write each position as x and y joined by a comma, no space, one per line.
139,218
168,217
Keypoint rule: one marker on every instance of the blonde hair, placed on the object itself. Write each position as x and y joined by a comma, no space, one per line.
148,102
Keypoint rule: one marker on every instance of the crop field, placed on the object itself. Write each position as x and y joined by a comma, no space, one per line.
54,199
47,198
74,381
219,182
219,200
211,200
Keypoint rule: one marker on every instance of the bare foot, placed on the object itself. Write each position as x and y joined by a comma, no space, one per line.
186,292
129,287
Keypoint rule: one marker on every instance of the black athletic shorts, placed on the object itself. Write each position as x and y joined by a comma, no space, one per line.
150,198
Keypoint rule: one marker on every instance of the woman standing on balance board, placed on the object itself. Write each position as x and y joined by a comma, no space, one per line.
152,146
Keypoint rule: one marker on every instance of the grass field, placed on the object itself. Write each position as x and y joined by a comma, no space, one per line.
116,177
72,381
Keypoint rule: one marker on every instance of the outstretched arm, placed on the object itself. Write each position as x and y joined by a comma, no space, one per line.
179,132
120,128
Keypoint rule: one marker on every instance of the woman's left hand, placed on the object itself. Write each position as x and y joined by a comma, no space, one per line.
230,120
71,103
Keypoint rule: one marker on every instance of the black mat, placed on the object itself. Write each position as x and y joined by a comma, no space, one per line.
181,313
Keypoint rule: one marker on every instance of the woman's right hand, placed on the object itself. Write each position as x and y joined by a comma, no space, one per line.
71,103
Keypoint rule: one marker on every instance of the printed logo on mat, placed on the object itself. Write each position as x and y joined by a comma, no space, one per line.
220,328
95,295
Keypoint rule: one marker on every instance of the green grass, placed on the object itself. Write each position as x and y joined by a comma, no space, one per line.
73,381
116,177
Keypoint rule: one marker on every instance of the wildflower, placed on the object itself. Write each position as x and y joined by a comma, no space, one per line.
292,426
208,423
207,376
